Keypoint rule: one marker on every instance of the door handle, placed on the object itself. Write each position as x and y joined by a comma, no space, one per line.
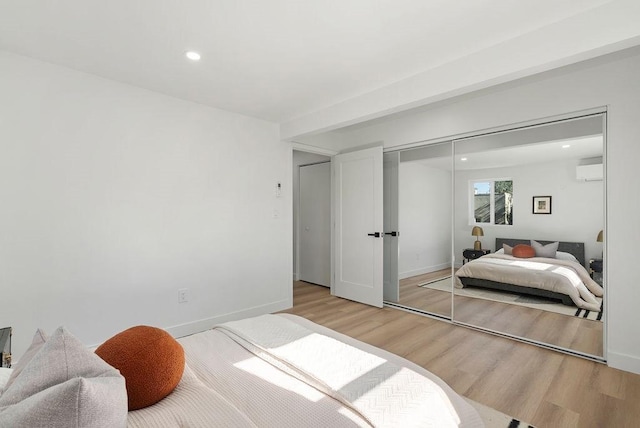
394,233
374,234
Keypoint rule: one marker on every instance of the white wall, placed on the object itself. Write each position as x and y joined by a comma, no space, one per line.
424,219
577,213
114,197
610,81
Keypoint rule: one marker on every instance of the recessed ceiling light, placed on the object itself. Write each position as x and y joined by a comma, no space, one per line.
566,146
463,159
193,56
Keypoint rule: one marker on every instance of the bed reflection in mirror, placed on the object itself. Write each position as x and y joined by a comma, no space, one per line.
538,194
420,180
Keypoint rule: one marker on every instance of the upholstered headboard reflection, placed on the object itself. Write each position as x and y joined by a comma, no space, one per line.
575,248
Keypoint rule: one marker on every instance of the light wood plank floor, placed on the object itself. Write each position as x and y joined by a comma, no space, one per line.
426,299
540,386
543,326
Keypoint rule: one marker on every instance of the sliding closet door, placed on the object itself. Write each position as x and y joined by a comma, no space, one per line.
391,227
521,185
424,198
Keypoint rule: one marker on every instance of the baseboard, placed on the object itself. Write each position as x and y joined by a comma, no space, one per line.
193,327
422,271
628,363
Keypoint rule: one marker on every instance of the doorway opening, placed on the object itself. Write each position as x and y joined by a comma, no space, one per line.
311,218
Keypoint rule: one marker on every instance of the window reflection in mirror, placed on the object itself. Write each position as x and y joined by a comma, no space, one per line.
491,201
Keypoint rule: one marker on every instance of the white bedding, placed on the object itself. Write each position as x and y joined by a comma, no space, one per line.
4,377
560,276
227,383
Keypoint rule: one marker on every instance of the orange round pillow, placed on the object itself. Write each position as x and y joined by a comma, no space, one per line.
151,361
523,251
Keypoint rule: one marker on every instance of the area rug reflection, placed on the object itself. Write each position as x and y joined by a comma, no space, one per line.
445,284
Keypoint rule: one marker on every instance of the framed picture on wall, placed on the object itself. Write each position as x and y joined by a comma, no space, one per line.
542,204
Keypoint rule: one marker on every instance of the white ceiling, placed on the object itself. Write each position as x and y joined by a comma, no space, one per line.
272,59
551,151
587,148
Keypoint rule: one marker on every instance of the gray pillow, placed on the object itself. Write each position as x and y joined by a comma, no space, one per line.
38,340
64,384
507,249
548,250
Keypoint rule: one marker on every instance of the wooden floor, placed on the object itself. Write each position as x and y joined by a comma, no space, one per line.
536,385
560,330
426,299
565,331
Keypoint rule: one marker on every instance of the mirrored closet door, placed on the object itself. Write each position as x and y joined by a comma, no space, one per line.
503,231
418,207
528,215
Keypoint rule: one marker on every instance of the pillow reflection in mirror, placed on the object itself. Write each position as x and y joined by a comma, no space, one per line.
548,250
566,256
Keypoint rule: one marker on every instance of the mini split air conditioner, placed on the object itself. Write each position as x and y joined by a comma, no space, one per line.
589,172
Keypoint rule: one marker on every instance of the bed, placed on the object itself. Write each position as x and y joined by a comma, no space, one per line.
285,371
562,278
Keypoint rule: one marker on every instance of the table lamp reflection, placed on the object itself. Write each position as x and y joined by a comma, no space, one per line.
477,231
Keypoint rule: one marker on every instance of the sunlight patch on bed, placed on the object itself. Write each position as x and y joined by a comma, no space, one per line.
333,369
569,274
375,386
531,265
258,367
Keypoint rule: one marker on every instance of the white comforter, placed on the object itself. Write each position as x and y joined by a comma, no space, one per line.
298,374
560,276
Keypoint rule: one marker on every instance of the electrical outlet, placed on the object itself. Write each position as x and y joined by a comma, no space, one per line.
183,295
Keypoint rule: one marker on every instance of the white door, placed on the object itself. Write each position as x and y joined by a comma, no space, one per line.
391,233
358,234
315,224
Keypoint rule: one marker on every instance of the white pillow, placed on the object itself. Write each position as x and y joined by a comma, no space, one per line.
62,385
566,256
506,249
548,250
